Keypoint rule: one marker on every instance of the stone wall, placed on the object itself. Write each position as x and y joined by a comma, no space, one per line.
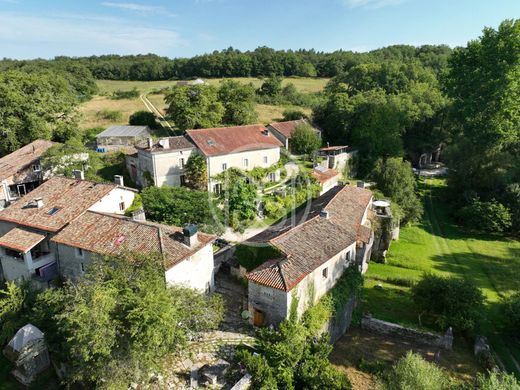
378,326
340,322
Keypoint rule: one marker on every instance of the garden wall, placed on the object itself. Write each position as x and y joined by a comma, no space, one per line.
338,324
378,326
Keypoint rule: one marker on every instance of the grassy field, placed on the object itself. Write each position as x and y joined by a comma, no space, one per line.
439,246
90,109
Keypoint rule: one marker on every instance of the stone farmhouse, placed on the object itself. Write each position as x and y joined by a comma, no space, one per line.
62,225
336,157
243,147
283,130
21,171
333,235
121,137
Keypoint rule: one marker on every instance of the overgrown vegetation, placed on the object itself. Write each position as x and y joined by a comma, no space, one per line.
251,256
131,94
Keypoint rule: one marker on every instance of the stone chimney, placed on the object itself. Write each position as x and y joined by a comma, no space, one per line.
190,235
118,179
138,215
78,174
150,143
39,202
324,214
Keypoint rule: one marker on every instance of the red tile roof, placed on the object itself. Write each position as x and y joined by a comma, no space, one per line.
109,234
286,128
332,148
23,157
71,197
21,240
324,175
312,243
226,140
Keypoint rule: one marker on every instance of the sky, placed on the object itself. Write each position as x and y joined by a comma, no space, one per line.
184,28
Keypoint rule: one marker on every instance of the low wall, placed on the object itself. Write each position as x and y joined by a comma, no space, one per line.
223,255
427,338
340,322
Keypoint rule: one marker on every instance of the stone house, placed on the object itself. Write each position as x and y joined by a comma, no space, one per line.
28,225
334,234
121,137
337,157
162,161
242,147
283,130
21,171
187,254
328,178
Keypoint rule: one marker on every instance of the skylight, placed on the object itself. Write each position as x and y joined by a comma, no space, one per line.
53,211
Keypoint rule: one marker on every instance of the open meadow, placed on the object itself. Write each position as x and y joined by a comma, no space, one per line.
439,246
92,110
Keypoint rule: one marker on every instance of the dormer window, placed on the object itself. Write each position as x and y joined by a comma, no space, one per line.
36,168
53,211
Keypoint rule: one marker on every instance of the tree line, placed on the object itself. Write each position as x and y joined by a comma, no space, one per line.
230,62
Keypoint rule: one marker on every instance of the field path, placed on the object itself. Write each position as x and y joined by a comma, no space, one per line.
150,107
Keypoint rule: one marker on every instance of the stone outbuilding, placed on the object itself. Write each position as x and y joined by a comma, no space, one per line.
121,137
29,354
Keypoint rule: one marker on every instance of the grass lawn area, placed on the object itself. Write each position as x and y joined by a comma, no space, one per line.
251,256
90,109
439,246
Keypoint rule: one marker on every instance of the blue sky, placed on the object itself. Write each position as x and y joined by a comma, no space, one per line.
178,28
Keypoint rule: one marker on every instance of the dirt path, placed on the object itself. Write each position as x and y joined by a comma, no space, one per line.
150,107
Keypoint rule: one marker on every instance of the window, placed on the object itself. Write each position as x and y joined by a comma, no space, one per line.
224,166
53,211
266,160
246,163
82,267
15,254
122,206
183,180
181,163
79,253
272,177
217,188
325,273
36,168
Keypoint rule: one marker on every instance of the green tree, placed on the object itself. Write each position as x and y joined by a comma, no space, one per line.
454,302
194,107
143,118
241,203
13,300
491,217
238,100
196,171
497,381
512,312
179,206
292,115
304,140
412,372
35,105
272,86
394,178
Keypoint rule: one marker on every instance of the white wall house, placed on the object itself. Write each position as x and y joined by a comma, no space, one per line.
314,255
242,147
28,225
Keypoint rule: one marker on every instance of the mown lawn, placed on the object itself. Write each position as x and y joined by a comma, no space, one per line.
439,246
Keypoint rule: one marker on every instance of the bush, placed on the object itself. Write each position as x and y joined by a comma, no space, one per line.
132,94
492,216
304,140
110,115
292,115
497,381
454,302
512,312
143,118
412,372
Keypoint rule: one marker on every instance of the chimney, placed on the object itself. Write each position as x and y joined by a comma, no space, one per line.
361,184
150,143
39,202
138,215
118,179
324,214
190,236
78,174
265,132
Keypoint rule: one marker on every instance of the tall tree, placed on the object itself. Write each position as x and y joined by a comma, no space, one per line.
238,100
196,171
304,140
194,107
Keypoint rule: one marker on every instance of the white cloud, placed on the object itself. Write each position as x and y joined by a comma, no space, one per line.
44,36
142,8
371,4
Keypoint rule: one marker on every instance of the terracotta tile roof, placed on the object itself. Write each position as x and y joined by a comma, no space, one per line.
179,142
68,197
110,234
23,157
364,234
226,140
332,148
286,128
21,240
315,241
324,175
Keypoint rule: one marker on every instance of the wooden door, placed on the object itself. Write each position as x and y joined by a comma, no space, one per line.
258,319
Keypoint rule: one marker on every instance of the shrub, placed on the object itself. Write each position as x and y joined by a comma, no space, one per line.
412,372
131,94
455,302
512,312
292,115
490,216
497,381
143,118
111,115
304,140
